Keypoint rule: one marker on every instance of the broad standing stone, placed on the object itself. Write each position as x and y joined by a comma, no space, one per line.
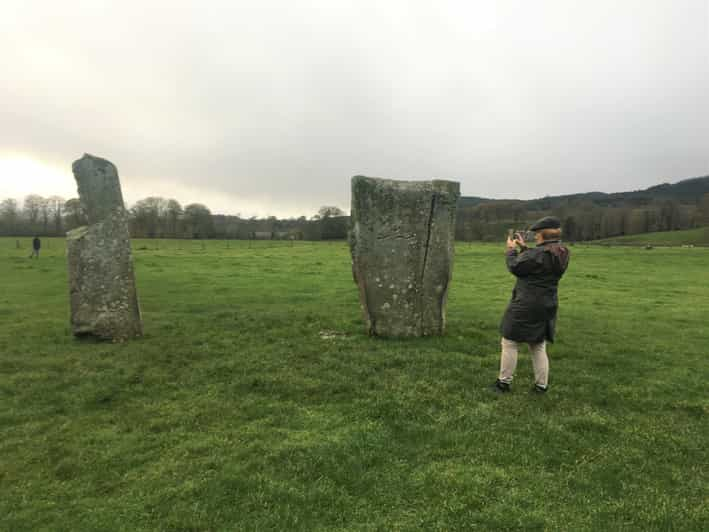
401,240
104,303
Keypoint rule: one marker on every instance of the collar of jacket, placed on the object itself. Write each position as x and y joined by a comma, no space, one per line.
551,242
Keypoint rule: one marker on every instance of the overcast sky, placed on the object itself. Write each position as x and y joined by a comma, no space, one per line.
270,106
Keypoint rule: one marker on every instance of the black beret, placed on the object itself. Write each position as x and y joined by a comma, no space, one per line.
548,222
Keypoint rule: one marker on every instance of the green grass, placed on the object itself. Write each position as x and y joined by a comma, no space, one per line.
695,237
234,413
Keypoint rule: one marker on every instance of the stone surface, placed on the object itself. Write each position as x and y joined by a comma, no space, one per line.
401,239
103,297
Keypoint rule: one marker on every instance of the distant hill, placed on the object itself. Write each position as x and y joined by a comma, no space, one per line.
592,215
472,201
687,191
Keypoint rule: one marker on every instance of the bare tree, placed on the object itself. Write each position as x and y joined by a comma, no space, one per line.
173,213
32,209
9,215
198,220
148,214
329,212
55,204
74,215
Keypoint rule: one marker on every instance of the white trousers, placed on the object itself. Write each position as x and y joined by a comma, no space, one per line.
540,361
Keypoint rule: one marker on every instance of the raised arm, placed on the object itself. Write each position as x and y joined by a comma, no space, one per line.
521,264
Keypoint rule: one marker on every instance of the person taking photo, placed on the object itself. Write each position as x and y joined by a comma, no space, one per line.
530,317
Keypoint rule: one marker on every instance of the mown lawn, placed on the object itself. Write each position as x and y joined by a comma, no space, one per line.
255,401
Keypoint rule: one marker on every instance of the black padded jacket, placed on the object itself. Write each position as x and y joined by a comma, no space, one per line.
531,314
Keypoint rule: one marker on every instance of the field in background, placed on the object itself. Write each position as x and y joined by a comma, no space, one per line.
255,401
693,237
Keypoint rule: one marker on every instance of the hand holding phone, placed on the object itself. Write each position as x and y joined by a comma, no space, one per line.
511,242
515,238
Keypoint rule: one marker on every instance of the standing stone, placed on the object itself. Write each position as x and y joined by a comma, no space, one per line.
401,240
104,303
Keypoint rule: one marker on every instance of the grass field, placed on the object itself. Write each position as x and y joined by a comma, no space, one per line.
695,237
255,402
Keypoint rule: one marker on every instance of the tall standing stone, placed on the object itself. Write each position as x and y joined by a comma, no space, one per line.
103,297
401,240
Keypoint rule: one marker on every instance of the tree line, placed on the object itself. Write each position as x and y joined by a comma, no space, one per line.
157,217
581,218
486,220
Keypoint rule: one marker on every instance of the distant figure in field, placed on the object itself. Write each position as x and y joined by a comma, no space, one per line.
530,317
36,244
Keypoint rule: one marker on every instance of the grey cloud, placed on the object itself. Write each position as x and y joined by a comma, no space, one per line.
284,101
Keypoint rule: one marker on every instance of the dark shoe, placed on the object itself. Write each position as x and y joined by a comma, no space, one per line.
538,389
500,387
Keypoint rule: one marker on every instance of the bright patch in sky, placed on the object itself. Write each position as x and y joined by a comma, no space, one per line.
21,175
